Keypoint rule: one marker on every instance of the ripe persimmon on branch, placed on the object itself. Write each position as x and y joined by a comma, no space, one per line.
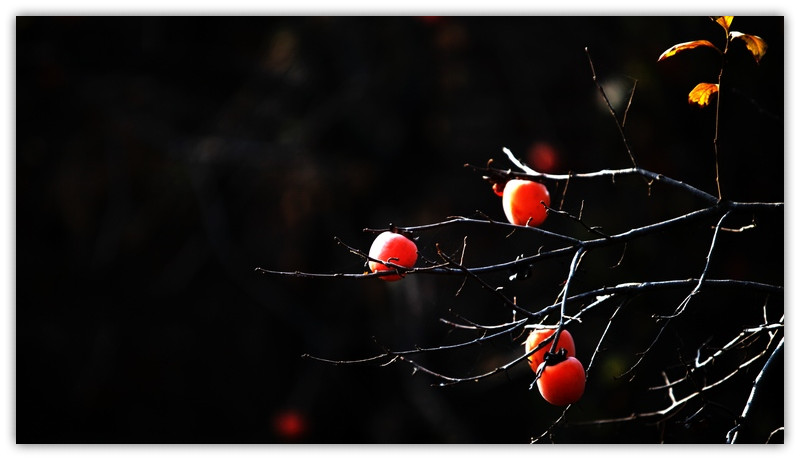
528,209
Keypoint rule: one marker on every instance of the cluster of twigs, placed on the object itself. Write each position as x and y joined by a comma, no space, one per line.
571,305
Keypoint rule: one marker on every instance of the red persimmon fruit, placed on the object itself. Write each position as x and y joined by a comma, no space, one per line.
537,336
562,383
522,202
393,248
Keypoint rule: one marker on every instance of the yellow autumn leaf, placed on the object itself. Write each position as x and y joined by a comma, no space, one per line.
754,43
686,46
724,21
701,94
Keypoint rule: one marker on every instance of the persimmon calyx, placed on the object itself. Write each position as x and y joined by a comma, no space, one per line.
554,358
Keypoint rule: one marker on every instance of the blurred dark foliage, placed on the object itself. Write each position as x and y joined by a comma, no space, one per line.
161,159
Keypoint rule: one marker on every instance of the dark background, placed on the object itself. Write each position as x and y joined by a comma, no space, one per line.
161,159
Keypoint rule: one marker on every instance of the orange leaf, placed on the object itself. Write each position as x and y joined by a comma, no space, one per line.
724,21
754,43
686,46
701,94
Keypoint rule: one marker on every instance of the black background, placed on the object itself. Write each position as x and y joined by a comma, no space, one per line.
161,159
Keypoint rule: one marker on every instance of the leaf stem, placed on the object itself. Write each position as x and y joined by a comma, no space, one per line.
716,117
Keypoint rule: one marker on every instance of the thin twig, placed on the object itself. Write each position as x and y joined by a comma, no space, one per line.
620,127
602,337
621,257
506,301
704,273
644,353
743,336
472,325
390,354
552,425
773,433
630,100
577,219
455,220
741,229
564,192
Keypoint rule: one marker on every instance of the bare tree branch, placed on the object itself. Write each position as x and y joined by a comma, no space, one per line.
499,174
390,354
735,430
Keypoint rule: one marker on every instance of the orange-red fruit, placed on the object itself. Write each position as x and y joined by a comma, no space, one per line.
537,336
563,383
392,248
522,202
497,188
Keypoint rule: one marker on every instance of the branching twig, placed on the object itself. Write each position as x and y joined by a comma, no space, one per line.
620,127
577,219
602,337
748,405
467,220
591,244
704,273
389,354
676,404
506,301
471,325
742,337
643,354
610,173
